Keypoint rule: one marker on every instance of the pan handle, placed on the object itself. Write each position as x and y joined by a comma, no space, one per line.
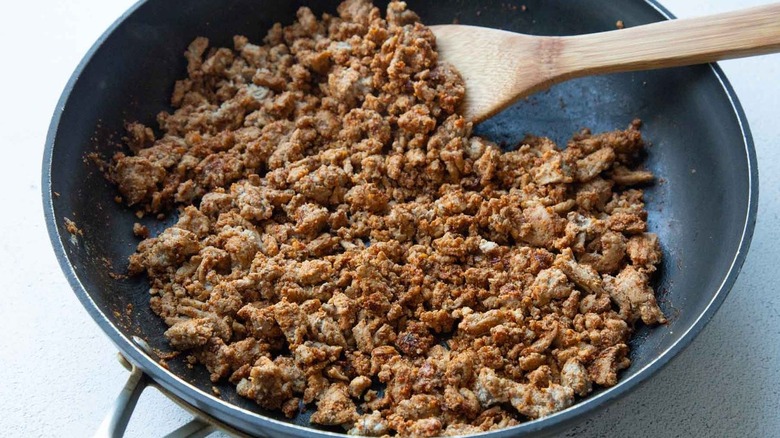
115,423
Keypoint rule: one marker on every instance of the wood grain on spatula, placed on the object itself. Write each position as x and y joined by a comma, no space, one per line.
500,67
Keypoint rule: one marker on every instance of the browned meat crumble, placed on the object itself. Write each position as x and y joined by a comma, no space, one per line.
72,228
342,231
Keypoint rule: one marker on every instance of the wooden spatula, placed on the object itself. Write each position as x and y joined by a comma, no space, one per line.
501,67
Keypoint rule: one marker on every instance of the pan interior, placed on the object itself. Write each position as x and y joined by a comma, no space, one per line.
699,206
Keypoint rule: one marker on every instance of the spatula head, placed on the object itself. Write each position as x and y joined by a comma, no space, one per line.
498,67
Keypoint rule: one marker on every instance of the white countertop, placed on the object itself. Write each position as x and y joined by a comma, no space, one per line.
58,372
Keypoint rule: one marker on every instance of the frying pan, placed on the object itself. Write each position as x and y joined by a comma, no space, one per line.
703,206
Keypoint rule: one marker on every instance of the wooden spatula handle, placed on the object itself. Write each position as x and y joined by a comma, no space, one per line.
671,43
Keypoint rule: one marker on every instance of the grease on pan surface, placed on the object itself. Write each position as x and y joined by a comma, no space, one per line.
340,230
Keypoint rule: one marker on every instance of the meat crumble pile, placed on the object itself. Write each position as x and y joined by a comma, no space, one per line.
345,245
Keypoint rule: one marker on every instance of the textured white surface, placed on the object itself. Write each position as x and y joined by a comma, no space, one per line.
58,374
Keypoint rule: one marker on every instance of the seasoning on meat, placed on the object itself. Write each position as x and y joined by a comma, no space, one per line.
341,230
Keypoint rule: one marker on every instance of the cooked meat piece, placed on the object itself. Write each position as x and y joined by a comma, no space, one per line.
138,137
553,169
627,177
137,178
613,251
595,163
267,384
369,425
461,429
630,223
594,194
426,427
644,250
140,230
340,237
632,292
531,361
310,218
314,353
358,386
541,226
251,202
529,400
627,141
347,85
367,197
260,323
536,402
190,333
415,339
418,407
169,249
550,284
583,275
603,370
335,407
293,322
575,376
491,389
477,324
463,401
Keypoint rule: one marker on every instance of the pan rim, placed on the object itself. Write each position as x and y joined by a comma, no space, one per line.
206,401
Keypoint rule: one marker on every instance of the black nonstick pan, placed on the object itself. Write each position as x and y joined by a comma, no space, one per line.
703,206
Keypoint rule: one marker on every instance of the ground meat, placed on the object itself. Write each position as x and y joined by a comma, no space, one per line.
140,230
335,407
644,250
190,333
632,292
528,399
164,252
72,228
340,230
358,386
604,368
575,376
372,424
137,178
267,384
548,284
